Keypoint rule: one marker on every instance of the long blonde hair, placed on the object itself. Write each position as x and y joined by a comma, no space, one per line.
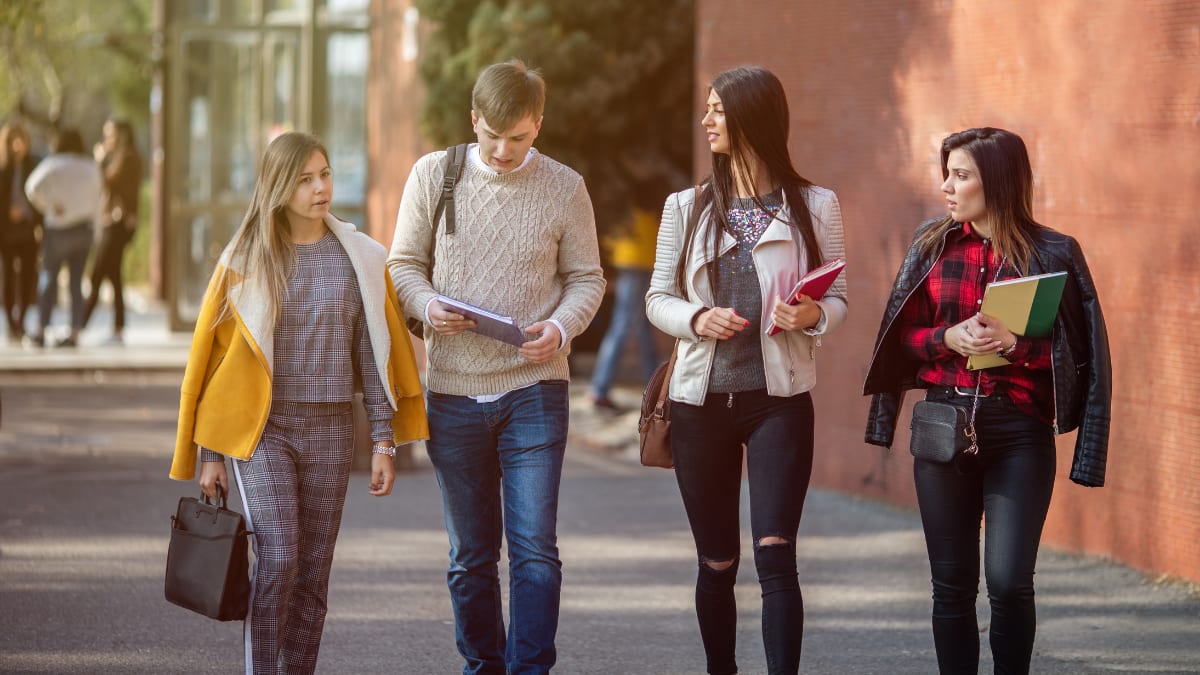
262,250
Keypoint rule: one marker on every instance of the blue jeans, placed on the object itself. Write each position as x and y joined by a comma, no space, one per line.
1010,486
71,246
628,315
706,442
499,466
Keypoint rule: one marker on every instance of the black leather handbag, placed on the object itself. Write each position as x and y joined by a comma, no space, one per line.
941,431
208,569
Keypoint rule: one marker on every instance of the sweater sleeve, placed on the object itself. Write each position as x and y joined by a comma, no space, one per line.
410,260
579,266
35,190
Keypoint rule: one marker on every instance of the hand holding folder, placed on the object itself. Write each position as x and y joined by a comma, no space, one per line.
487,322
815,285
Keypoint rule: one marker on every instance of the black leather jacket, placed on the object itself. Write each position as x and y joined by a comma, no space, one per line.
1081,368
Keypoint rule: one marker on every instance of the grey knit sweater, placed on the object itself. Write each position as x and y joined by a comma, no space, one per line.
525,246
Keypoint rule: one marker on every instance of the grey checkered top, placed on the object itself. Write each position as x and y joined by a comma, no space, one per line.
321,340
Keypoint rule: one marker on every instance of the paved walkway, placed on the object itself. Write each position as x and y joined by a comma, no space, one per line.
148,345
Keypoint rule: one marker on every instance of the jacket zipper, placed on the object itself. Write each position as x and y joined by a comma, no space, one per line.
1053,386
787,346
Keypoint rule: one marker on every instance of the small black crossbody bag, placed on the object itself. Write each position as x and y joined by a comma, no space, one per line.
940,431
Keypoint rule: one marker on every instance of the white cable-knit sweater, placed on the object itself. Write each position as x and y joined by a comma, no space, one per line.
525,246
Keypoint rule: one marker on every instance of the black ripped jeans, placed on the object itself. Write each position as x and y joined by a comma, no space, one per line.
707,445
1009,486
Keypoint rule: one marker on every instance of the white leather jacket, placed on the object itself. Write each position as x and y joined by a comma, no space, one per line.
789,357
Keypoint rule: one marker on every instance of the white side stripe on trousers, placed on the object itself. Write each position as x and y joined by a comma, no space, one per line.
247,640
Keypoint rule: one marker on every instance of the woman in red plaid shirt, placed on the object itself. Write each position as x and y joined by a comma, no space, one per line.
1053,385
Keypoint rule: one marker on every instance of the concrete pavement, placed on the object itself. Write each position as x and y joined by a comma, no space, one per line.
84,518
148,344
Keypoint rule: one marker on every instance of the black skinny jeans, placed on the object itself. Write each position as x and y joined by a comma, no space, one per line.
1009,485
706,442
20,263
107,265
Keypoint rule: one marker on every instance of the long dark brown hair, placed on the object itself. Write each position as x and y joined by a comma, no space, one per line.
8,135
1007,179
757,121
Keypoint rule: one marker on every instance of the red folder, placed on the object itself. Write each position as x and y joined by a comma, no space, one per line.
815,285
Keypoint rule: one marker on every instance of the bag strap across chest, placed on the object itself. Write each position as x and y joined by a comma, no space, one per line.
452,168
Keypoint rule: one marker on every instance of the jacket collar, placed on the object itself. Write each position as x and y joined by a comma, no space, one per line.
777,230
251,301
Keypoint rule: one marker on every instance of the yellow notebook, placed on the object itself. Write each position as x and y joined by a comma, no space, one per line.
1027,306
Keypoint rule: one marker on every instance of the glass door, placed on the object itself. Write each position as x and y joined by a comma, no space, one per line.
235,90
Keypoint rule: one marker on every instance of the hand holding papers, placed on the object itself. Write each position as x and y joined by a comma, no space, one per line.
495,326
1026,306
814,284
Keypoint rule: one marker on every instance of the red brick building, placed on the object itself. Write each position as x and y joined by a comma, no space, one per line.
1107,97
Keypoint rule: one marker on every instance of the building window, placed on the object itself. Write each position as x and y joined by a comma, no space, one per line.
239,74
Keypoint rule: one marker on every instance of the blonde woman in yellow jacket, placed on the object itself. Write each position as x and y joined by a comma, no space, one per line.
299,312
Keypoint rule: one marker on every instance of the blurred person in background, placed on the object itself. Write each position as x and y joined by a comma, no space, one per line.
66,188
633,258
19,221
121,167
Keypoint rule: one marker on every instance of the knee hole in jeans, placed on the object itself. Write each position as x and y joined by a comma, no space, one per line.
717,576
773,540
718,565
776,565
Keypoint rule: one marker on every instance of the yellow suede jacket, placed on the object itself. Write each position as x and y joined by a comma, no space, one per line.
226,391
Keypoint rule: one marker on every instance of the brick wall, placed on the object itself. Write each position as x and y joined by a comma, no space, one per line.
394,141
395,91
1107,97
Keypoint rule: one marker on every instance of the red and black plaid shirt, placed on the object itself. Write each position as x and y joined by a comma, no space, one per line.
952,293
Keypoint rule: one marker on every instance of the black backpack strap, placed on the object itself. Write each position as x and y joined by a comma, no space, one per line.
452,166
456,157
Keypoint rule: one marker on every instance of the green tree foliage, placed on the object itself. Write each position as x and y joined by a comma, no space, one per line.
75,62
619,77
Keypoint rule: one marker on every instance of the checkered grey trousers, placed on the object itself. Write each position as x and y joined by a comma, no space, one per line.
293,489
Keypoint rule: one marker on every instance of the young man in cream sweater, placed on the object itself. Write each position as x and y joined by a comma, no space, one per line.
524,246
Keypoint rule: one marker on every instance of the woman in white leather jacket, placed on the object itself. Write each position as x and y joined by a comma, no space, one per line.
717,283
